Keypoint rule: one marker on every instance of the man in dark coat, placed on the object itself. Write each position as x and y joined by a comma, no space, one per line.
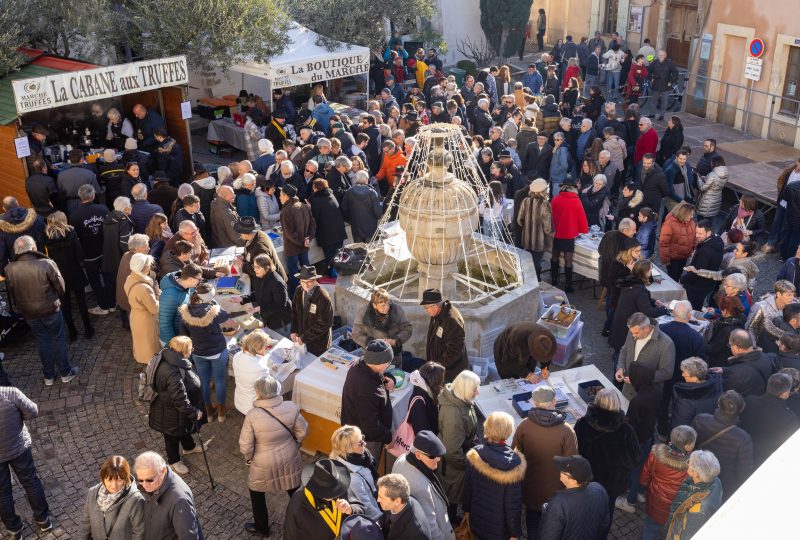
190,212
482,119
365,396
748,369
142,210
374,146
663,76
72,178
331,232
42,189
117,228
536,162
312,313
445,342
520,347
731,444
276,129
362,208
146,123
707,256
88,221
16,222
223,217
653,182
768,418
256,242
298,228
338,182
404,518
709,153
163,194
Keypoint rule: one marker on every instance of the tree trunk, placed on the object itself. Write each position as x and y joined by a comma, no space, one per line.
501,57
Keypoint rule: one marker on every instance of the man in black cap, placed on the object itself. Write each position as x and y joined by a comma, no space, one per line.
580,510
520,347
36,140
284,104
419,467
365,396
316,511
256,242
515,182
312,313
276,129
445,342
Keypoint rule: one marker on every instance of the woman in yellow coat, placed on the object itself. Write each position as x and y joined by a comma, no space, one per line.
143,295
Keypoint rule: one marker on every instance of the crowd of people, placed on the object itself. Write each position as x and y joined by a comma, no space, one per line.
703,413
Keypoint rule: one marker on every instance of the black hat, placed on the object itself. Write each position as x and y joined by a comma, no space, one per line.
279,114
277,92
199,168
326,479
411,116
578,467
289,190
360,528
532,66
40,129
431,296
306,273
378,352
505,152
629,243
437,104
429,444
246,225
386,91
569,181
160,176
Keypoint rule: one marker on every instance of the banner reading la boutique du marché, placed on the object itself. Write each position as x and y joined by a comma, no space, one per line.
296,73
92,84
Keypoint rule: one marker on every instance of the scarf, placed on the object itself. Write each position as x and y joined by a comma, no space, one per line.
328,511
279,128
106,500
677,453
427,473
364,460
416,379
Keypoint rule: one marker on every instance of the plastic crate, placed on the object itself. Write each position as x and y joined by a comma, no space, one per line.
559,331
566,347
480,365
342,333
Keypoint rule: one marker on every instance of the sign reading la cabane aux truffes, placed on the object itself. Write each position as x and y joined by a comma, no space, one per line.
100,83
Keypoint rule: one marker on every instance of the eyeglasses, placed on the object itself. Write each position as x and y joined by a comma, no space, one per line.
148,480
310,170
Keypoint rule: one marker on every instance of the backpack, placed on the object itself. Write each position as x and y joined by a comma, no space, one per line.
147,388
349,260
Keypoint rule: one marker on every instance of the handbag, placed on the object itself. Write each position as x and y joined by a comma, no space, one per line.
403,438
463,532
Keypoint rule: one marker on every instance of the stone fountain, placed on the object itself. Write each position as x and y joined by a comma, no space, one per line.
429,237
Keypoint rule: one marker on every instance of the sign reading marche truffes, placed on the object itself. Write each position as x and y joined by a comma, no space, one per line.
100,83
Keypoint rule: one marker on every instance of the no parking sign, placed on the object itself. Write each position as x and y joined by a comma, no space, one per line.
756,48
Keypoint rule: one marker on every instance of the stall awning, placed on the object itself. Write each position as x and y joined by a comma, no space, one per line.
305,62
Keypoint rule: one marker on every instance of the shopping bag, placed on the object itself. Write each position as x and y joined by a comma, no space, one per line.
463,532
404,436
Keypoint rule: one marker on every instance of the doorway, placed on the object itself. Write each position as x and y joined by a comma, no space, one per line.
681,28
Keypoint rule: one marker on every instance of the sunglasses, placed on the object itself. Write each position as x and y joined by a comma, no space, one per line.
310,170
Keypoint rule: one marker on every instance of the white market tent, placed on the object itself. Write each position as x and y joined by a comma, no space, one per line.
765,506
305,62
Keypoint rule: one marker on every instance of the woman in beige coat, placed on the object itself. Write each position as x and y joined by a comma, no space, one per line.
270,439
535,219
142,293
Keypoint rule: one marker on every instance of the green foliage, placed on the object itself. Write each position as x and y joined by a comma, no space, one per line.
431,40
503,22
357,21
211,33
469,67
11,39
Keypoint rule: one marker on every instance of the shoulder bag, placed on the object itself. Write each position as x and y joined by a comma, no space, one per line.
403,438
282,424
717,435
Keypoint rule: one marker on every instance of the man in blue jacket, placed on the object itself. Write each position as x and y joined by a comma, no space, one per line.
175,290
533,80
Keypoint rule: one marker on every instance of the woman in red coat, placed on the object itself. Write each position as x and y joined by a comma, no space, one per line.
677,240
569,220
636,78
572,71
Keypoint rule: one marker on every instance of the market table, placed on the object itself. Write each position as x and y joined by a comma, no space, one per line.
490,399
665,288
318,393
226,130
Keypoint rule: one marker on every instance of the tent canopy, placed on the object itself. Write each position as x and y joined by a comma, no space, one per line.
306,62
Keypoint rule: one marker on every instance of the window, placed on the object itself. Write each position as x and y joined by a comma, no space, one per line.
612,9
790,104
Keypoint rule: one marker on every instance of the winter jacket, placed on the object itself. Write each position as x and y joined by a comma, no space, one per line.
366,403
693,505
67,253
117,229
164,196
367,326
681,187
658,354
269,210
535,219
173,296
633,297
179,397
747,373
596,206
628,207
15,409
511,353
389,165
717,349
688,343
691,399
272,297
560,165
70,180
124,520
539,437
313,323
339,183
755,223
247,369
759,321
654,187
644,408
423,412
733,449
223,217
662,474
432,501
15,223
141,213
34,285
611,447
201,322
261,244
88,222
458,426
246,203
408,524
536,161
569,219
273,452
362,485
709,199
170,512
677,240
580,512
646,235
328,217
671,142
770,422
168,157
482,122
43,193
493,491
297,224
662,75
445,342
361,207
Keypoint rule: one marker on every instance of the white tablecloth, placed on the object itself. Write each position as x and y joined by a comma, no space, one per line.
226,130
318,390
667,289
490,400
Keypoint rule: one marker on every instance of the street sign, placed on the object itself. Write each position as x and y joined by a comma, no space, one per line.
752,69
756,48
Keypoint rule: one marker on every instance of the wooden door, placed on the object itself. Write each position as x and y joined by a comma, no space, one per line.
681,28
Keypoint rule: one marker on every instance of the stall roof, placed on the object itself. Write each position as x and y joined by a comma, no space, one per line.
284,69
40,64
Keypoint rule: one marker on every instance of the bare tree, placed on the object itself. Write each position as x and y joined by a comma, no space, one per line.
478,51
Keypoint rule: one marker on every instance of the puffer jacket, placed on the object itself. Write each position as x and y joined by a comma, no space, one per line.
596,205
124,520
663,473
747,373
691,399
493,491
274,454
709,191
179,397
677,239
717,349
458,426
172,297
34,285
201,322
367,326
117,228
733,449
610,445
15,223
